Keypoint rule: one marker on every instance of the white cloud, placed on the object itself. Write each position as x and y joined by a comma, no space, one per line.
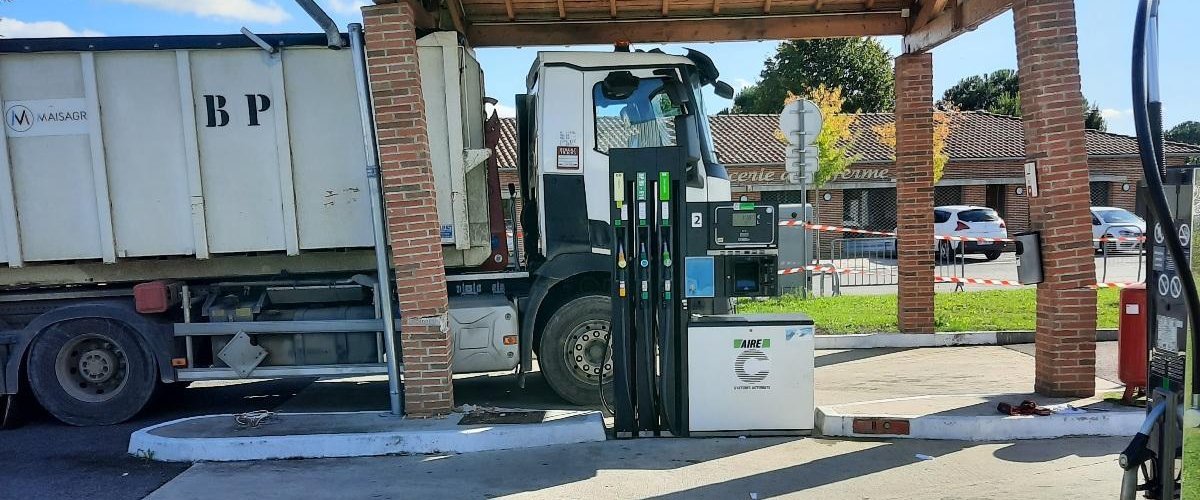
740,84
1115,114
260,11
504,110
348,7
12,28
1120,121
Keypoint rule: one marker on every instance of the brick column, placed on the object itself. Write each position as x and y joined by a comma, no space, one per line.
914,191
1051,105
412,219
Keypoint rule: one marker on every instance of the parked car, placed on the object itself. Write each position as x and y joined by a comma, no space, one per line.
1108,222
968,220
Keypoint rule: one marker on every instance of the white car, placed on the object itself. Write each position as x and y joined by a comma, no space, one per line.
1113,222
972,221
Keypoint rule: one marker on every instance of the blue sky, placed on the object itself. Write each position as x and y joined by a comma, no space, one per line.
1104,40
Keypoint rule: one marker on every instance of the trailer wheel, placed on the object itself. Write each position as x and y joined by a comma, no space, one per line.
573,353
91,372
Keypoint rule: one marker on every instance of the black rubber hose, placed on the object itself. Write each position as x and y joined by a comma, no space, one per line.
1147,152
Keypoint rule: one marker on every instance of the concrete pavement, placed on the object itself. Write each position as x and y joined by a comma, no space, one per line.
1082,468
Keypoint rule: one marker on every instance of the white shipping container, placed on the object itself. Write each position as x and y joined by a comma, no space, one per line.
199,152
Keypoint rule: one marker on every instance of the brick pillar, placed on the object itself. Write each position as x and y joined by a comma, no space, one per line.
914,191
1051,105
409,196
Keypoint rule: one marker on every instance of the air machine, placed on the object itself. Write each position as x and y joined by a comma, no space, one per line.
682,364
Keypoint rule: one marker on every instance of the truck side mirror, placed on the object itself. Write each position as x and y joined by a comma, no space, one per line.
723,90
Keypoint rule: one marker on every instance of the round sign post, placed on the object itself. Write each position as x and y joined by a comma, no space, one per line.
801,122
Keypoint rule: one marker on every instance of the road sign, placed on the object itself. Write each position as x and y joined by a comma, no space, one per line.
800,166
792,126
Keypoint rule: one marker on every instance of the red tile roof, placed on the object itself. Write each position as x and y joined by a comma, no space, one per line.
750,139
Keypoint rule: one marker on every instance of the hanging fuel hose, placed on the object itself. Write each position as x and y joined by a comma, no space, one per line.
1147,117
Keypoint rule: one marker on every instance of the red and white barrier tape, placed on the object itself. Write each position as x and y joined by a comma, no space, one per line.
821,270
974,281
1120,238
840,229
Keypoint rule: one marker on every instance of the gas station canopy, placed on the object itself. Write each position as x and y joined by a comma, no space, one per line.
515,23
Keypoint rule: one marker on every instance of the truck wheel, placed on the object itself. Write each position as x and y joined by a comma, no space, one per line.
573,353
91,372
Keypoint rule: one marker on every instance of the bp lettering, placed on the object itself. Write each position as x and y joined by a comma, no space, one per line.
255,104
217,115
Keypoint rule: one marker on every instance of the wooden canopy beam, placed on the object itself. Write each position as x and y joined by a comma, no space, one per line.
819,5
716,7
457,15
562,10
953,21
929,9
664,30
766,6
508,9
612,8
870,4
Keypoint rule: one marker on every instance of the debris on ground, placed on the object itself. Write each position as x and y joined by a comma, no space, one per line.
923,457
252,419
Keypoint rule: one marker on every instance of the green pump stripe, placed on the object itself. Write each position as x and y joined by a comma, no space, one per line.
664,186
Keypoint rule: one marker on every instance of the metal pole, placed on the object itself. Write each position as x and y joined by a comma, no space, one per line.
804,285
382,265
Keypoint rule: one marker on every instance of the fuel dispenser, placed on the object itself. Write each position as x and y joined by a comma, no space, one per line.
681,365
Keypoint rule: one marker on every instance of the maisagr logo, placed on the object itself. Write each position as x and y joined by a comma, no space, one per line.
18,118
46,117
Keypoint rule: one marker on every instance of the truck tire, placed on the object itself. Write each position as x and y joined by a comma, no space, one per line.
91,372
573,349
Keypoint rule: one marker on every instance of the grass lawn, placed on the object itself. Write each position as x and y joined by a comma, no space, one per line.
953,312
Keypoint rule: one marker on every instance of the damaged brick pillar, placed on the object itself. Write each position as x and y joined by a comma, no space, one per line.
410,199
914,191
1052,109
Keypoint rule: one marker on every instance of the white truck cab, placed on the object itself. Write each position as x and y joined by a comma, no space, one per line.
578,106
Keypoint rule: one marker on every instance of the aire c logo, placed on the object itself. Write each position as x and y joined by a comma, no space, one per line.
18,118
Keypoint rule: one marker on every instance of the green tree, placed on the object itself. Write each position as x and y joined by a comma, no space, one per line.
995,92
860,67
999,92
1187,132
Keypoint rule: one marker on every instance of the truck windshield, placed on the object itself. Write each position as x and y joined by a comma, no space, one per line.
644,119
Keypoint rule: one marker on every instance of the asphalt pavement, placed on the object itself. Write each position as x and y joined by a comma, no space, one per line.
48,459
666,468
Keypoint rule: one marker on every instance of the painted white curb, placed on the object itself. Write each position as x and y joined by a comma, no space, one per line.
989,427
910,340
582,428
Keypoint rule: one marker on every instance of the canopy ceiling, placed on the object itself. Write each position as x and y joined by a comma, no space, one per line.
491,23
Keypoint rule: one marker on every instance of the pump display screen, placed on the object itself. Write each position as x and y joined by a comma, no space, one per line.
745,219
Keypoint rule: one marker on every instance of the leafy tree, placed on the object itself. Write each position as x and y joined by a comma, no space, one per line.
942,123
1092,119
998,92
860,67
1187,132
835,139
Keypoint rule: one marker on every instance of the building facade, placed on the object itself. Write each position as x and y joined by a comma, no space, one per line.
986,168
